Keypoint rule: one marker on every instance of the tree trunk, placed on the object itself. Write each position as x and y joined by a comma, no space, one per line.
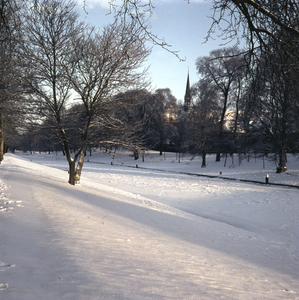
283,139
220,136
1,139
72,172
63,152
203,164
161,148
136,155
282,162
80,166
225,160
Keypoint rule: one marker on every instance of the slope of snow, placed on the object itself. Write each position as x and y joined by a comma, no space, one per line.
149,232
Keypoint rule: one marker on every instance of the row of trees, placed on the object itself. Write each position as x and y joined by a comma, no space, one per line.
9,84
227,115
270,30
241,109
69,75
147,120
65,85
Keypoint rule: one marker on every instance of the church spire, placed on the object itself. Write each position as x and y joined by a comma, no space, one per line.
187,99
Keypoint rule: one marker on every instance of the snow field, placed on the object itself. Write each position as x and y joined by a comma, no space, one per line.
133,233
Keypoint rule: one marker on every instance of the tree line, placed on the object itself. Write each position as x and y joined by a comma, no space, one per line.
266,97
242,106
69,74
67,86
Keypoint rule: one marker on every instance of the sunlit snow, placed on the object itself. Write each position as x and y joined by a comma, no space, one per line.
148,231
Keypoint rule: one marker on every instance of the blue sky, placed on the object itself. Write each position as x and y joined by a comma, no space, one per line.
182,25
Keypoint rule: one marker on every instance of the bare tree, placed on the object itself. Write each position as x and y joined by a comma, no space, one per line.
202,120
67,64
140,12
10,107
225,69
260,21
132,109
274,97
49,28
162,110
105,64
253,18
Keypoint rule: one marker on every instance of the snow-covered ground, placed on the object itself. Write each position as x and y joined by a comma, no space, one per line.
152,232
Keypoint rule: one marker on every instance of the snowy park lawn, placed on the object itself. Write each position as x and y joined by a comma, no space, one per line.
152,232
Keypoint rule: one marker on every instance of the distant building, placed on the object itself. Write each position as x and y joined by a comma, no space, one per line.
187,98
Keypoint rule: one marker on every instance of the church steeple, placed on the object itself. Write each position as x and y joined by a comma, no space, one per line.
187,99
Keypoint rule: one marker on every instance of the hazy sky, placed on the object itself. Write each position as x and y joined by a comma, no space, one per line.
182,25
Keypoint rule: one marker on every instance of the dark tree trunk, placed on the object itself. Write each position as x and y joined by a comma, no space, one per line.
63,152
220,136
1,139
72,172
283,140
136,154
203,164
282,162
161,148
